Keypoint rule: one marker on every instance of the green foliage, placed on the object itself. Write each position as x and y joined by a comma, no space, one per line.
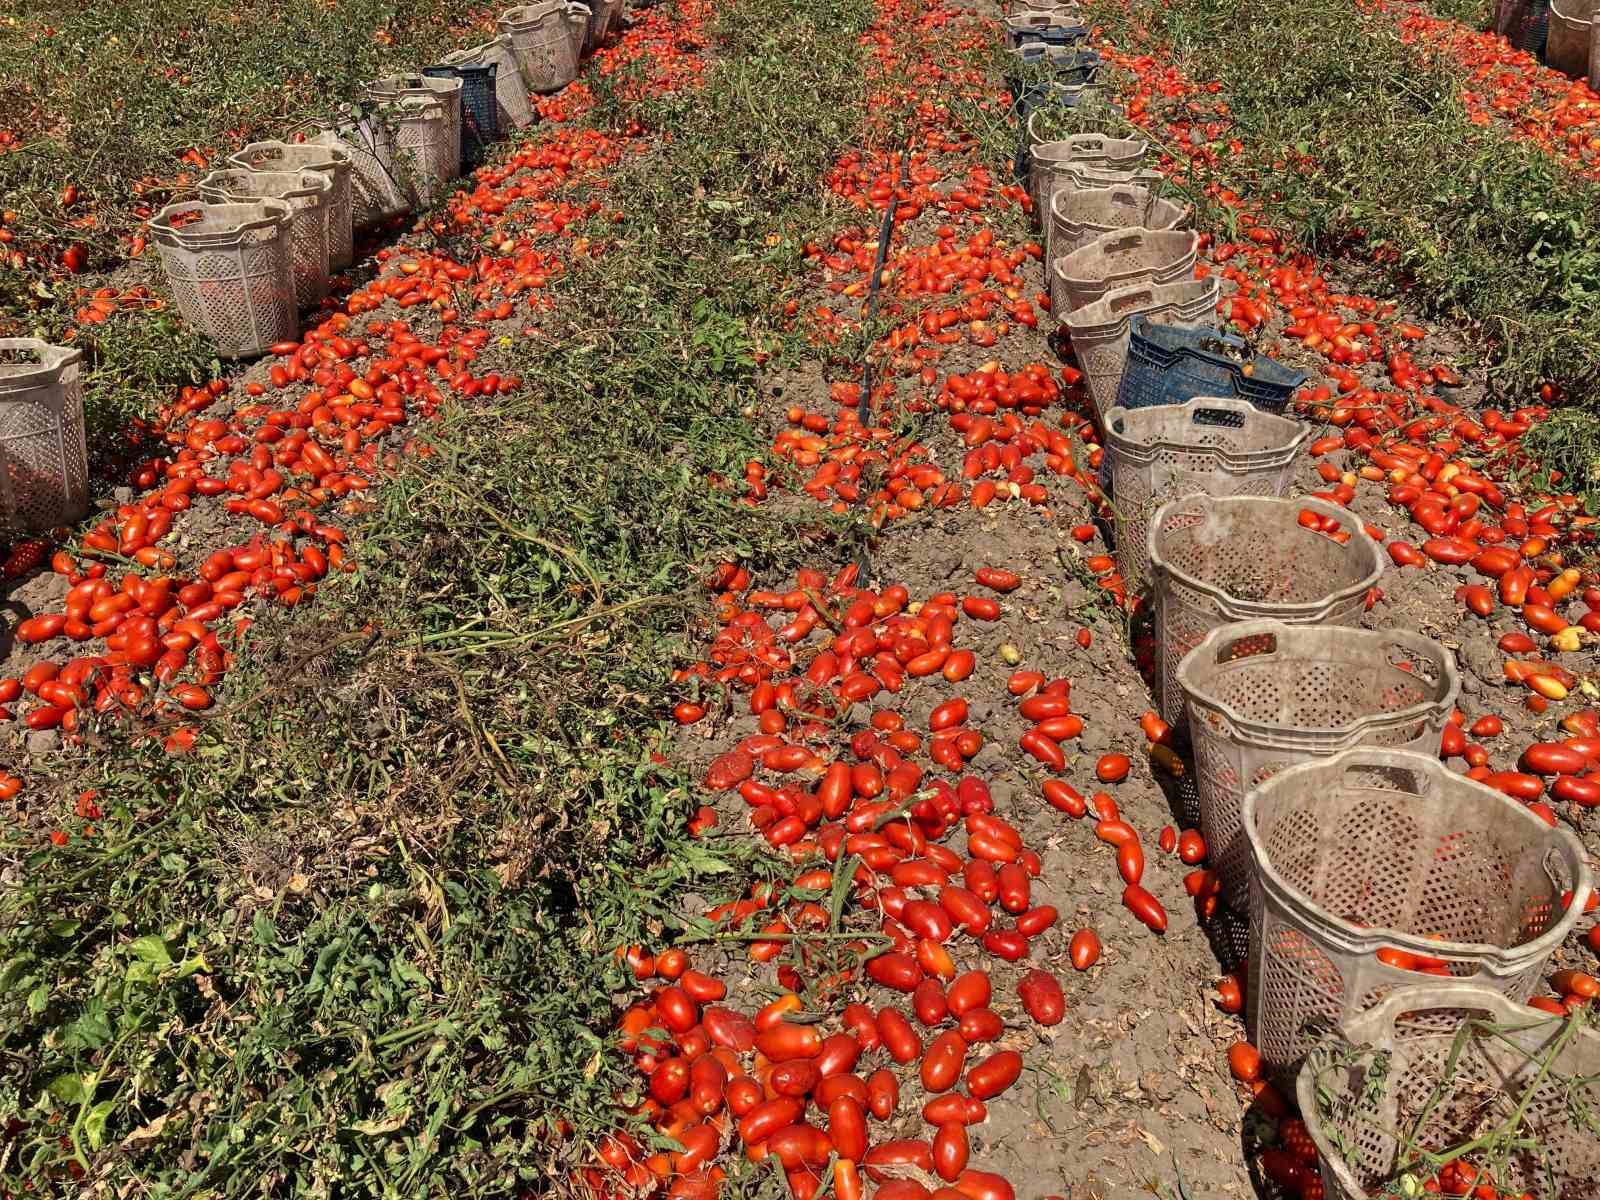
1478,227
359,942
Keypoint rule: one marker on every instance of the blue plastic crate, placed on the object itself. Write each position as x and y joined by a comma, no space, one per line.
1172,364
1072,70
480,116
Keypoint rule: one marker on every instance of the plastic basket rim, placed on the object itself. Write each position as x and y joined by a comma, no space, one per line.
1139,232
469,56
338,157
53,361
1145,451
1057,18
1206,293
1040,148
1284,737
531,14
1252,608
1364,1028
1502,960
1576,23
319,189
268,213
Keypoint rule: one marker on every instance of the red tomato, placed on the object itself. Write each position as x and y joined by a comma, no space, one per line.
1042,998
994,1074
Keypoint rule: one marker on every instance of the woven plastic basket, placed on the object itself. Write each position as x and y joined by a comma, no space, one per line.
1567,42
480,113
306,193
510,92
1121,258
45,480
1048,159
231,268
1168,365
1099,331
1079,216
1037,65
1216,445
1388,851
1077,177
1441,1066
541,38
330,161
1216,560
1264,696
435,153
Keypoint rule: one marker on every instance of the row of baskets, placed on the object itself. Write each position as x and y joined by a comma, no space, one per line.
264,235
1122,280
1365,865
261,240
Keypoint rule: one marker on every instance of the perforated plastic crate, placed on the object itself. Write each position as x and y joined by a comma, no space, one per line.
1212,444
44,467
1388,852
1423,1058
510,92
330,161
1216,560
231,269
547,39
307,194
1121,258
1263,696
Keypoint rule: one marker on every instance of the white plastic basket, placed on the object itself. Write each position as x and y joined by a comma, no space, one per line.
231,269
1413,1065
1264,696
1121,258
1218,445
1048,159
306,193
330,161
1079,215
45,481
435,153
542,39
1216,560
1388,851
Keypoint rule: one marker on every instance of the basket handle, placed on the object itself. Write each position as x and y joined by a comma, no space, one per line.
1380,1018
1130,298
1413,783
1247,645
1123,242
1220,411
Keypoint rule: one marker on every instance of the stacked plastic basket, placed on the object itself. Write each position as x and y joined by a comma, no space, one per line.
1383,894
265,237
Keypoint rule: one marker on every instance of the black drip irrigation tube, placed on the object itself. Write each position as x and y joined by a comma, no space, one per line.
885,235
